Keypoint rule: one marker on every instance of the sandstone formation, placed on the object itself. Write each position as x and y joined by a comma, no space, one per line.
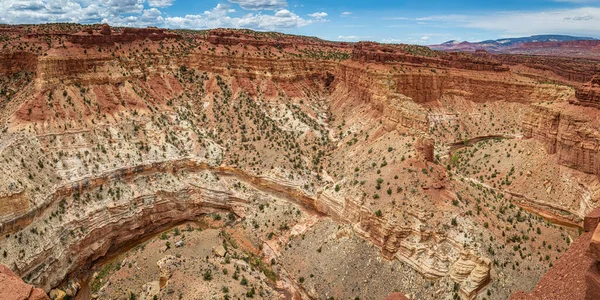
572,134
373,52
104,36
569,69
589,94
124,133
13,288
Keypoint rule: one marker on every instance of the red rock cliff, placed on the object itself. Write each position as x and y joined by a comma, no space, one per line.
589,94
13,288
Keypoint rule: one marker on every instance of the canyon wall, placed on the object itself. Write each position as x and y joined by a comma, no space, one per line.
572,135
15,62
571,69
373,52
589,94
105,36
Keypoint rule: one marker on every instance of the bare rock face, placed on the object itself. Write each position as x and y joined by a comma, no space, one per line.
222,36
13,287
571,133
594,248
591,221
542,123
425,148
589,94
373,52
106,37
579,70
474,273
592,280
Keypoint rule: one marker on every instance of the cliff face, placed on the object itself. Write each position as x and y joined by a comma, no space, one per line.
572,135
589,94
53,69
15,62
272,39
571,69
372,52
105,36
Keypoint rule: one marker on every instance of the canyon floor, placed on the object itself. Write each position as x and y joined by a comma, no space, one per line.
233,164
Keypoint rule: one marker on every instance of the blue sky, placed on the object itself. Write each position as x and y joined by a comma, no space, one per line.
417,22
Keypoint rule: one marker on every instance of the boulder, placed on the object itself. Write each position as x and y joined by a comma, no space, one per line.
219,251
57,294
72,289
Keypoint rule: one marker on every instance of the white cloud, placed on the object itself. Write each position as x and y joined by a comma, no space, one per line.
151,16
261,4
160,3
424,38
576,21
125,6
346,14
218,17
82,11
392,41
141,13
353,38
318,15
583,17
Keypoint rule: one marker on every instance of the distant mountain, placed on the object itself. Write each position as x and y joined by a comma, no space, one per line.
563,45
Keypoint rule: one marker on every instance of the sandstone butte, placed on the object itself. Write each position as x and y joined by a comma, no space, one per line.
310,169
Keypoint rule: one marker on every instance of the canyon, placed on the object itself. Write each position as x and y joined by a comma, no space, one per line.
155,163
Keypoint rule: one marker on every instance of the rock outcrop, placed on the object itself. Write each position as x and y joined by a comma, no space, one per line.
250,38
105,36
570,69
425,148
571,133
16,62
589,94
13,287
373,52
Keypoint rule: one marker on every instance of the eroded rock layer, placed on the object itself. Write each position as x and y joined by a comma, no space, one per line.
570,133
122,133
589,94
